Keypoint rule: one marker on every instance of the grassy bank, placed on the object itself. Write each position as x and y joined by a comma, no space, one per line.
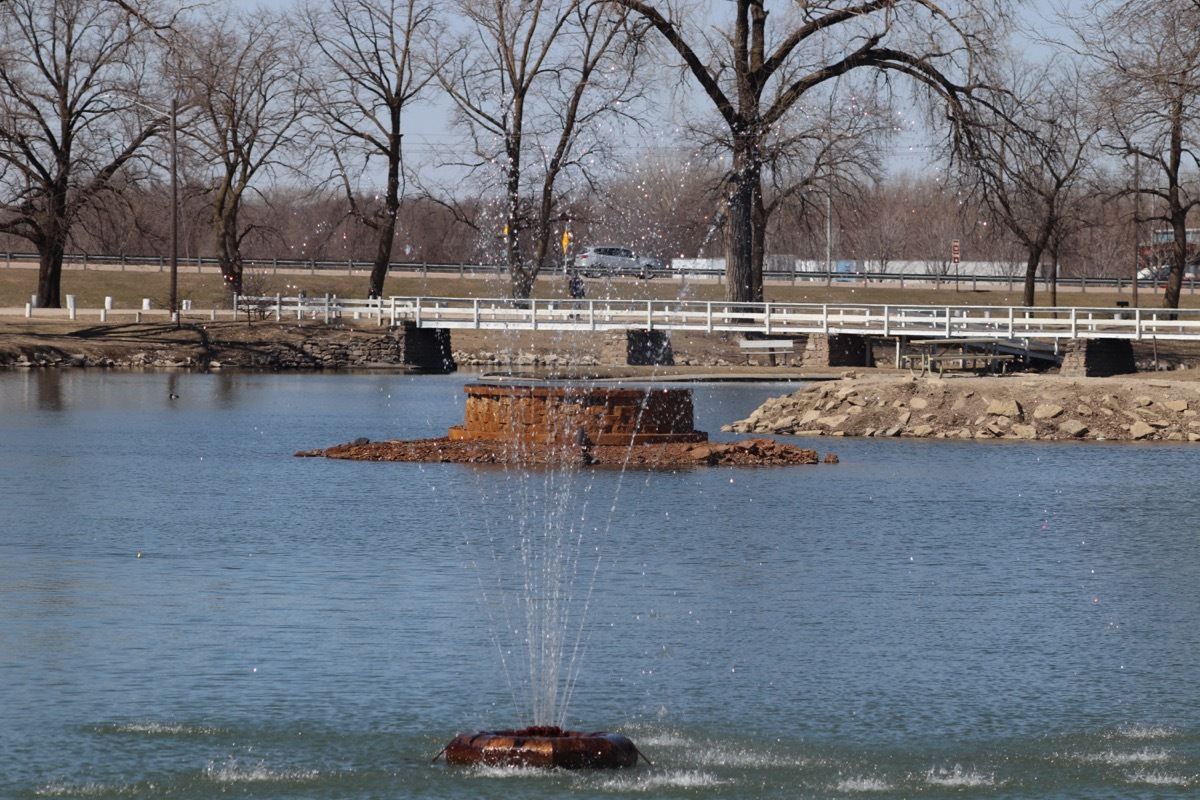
205,290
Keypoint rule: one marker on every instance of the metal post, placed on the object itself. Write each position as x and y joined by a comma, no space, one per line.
828,237
174,251
1137,212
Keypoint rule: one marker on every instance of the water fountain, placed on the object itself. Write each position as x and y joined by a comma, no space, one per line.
560,422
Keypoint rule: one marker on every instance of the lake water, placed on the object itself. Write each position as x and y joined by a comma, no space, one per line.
187,610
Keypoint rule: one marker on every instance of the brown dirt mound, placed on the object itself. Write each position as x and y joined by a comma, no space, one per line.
749,452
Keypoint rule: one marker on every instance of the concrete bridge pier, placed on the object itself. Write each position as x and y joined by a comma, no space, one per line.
1097,358
634,348
426,349
837,350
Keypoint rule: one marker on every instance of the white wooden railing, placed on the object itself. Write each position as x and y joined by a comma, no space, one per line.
771,319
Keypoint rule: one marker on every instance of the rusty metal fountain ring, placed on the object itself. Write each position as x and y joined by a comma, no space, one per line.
543,747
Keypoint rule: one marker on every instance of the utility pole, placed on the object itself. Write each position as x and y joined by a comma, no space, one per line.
1137,224
174,251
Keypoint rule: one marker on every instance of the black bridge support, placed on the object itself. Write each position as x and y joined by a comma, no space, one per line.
837,350
426,349
638,348
1097,358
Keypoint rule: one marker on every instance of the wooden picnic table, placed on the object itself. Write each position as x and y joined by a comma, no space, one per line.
980,354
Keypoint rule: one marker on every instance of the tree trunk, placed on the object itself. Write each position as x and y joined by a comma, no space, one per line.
51,242
1174,287
50,262
741,193
521,277
229,255
521,280
386,229
1031,268
758,246
385,234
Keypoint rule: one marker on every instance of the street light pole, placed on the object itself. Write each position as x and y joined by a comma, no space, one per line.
174,252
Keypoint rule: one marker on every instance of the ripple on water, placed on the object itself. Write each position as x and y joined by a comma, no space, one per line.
1160,778
1136,731
960,777
91,789
1114,758
863,784
151,728
655,780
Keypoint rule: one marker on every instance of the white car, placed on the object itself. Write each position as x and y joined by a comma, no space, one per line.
1162,273
605,260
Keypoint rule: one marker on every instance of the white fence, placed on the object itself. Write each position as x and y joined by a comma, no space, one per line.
771,319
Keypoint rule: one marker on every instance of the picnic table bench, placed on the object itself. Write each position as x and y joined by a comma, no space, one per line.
767,347
939,354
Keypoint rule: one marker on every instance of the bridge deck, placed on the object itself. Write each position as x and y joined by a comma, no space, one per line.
782,319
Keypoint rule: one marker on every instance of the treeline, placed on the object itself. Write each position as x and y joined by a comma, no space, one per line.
902,218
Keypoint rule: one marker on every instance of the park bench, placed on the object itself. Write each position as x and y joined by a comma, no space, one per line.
768,347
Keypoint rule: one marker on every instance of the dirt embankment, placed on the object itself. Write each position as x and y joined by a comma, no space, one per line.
310,345
1015,407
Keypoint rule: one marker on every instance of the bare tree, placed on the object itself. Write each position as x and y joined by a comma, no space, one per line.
829,147
659,206
530,80
754,74
1027,153
240,73
1148,93
882,221
373,71
63,138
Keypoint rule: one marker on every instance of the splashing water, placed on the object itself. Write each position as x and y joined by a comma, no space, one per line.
539,556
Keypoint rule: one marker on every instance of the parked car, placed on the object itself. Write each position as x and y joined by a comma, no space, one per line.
605,260
1162,273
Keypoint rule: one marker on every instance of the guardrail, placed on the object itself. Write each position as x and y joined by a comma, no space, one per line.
86,261
769,319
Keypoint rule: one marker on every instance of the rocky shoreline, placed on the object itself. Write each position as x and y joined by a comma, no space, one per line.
1036,407
307,346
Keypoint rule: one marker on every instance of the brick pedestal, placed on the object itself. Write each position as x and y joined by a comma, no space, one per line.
557,414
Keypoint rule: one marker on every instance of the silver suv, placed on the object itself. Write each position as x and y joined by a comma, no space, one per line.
595,262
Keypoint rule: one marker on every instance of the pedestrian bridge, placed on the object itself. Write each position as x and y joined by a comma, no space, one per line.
758,319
